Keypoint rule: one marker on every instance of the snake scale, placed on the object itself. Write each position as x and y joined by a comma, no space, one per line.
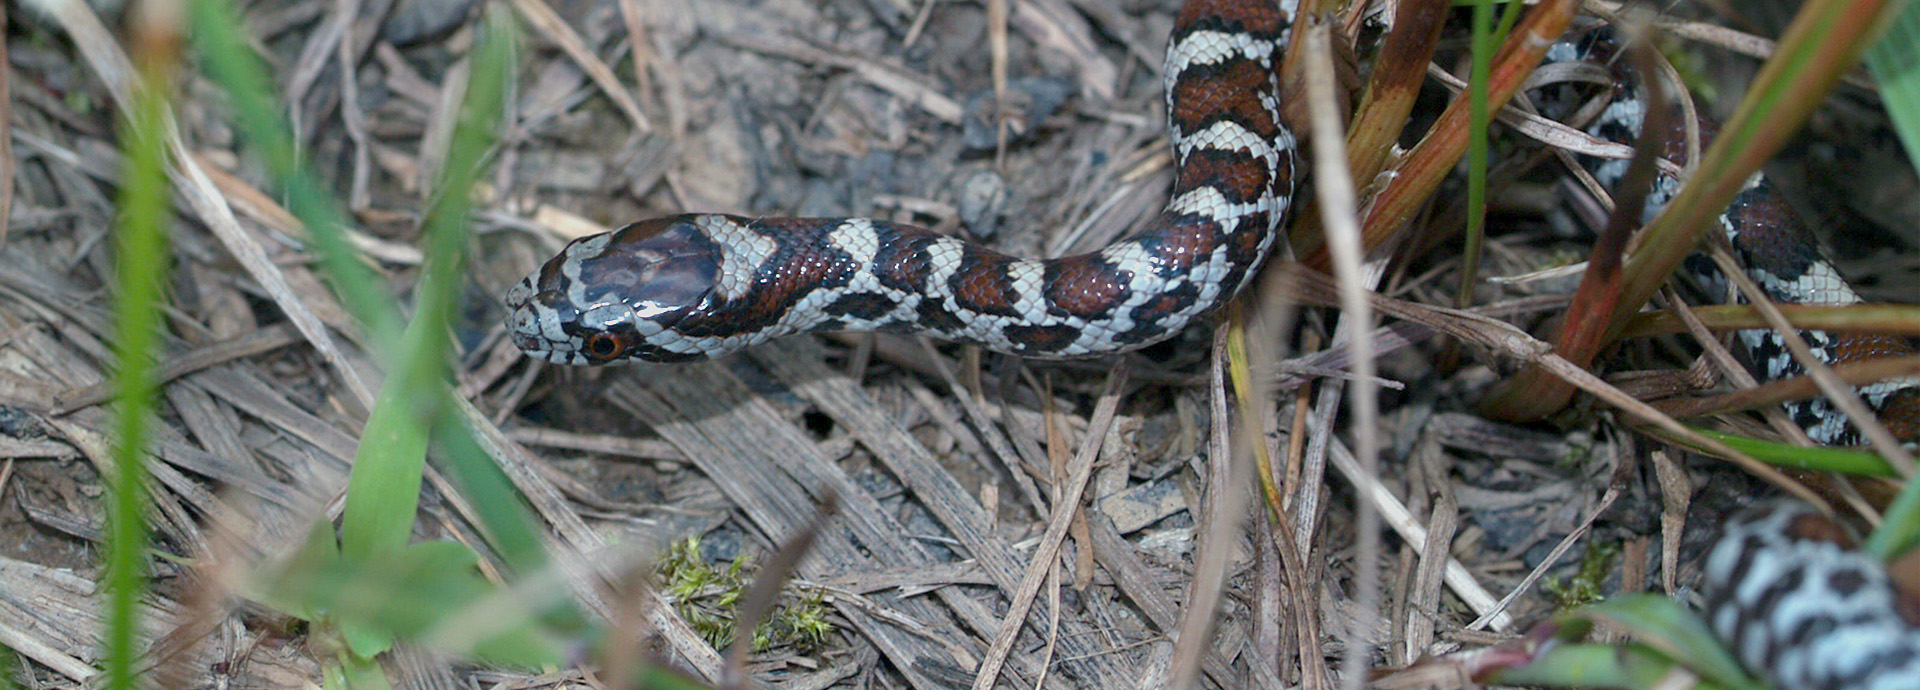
691,287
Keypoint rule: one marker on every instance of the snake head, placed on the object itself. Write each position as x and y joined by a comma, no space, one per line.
616,297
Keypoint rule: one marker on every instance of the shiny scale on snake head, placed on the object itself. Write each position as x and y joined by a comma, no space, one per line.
611,296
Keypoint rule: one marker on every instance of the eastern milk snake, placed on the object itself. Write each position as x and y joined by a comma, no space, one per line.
690,287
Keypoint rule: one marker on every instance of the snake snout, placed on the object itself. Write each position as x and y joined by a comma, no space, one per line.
523,325
535,322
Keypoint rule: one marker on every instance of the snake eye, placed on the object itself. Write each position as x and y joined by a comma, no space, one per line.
603,346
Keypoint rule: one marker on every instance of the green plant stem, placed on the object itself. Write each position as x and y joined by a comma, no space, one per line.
1484,42
384,488
226,55
1816,459
141,258
1486,38
1901,530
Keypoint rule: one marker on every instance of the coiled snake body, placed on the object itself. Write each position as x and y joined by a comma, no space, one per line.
696,286
1795,604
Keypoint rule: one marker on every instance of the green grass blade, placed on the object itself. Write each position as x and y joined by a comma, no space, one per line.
511,530
1478,121
141,263
1486,39
1901,530
388,493
1675,631
384,489
1894,61
225,55
1594,666
385,486
1858,463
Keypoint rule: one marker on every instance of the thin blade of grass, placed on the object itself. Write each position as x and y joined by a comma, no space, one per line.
1337,203
509,528
1479,116
141,263
1901,529
1817,459
1434,157
226,56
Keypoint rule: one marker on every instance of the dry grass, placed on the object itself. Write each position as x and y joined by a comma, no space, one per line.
1072,494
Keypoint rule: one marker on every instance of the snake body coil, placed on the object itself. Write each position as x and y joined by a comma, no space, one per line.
1799,607
697,286
1772,244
